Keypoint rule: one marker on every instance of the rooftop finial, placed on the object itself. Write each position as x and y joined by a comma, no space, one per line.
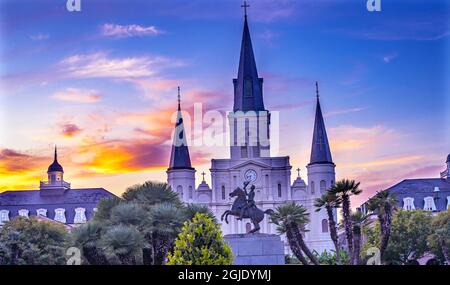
203,174
298,171
179,99
317,90
56,153
245,6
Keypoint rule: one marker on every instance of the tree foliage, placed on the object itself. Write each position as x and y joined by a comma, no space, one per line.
28,241
200,243
439,240
408,238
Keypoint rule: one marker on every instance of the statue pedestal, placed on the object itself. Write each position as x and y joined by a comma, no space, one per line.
256,249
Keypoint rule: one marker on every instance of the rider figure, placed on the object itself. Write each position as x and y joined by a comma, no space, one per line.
250,201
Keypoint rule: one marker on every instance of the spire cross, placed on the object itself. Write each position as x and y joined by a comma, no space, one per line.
245,6
179,99
203,174
317,90
298,170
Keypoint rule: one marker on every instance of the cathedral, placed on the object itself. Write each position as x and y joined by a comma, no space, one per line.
250,161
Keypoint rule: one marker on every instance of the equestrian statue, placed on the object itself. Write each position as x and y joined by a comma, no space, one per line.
244,207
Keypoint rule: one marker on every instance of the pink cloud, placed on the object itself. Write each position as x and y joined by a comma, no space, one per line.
70,130
78,95
126,31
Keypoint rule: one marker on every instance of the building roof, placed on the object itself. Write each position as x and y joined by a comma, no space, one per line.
179,156
50,197
248,86
320,149
50,200
55,166
419,189
448,158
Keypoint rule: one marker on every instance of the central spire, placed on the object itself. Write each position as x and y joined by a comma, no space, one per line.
247,86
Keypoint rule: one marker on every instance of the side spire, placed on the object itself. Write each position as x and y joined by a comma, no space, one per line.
179,157
320,149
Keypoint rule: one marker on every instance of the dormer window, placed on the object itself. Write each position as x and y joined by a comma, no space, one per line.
429,204
41,212
4,216
408,204
60,215
23,213
80,216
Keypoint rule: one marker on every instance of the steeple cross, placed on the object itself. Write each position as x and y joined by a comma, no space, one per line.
203,174
179,99
317,90
298,171
245,6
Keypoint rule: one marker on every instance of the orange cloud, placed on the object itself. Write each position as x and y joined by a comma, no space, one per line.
20,170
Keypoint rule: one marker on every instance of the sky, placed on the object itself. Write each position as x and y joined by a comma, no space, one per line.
101,85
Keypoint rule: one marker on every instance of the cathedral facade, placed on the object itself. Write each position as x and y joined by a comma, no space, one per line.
250,161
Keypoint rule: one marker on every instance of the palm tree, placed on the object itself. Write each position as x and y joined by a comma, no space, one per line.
291,219
86,237
151,193
384,205
358,218
124,242
192,209
104,207
164,225
343,190
330,201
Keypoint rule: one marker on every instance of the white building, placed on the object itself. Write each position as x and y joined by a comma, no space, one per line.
250,160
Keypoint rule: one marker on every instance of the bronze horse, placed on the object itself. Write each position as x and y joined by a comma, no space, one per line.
254,213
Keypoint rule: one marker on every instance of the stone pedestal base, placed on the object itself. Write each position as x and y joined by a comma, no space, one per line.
256,249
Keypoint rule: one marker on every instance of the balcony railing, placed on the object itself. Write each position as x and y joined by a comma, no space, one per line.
56,184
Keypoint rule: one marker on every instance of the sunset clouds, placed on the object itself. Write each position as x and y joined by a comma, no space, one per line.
102,85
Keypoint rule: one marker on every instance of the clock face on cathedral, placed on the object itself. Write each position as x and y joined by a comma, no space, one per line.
250,175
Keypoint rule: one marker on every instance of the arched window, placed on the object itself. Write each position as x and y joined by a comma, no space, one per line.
190,192
23,213
41,212
312,186
60,215
80,216
223,192
323,186
4,216
324,225
279,190
248,227
180,190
